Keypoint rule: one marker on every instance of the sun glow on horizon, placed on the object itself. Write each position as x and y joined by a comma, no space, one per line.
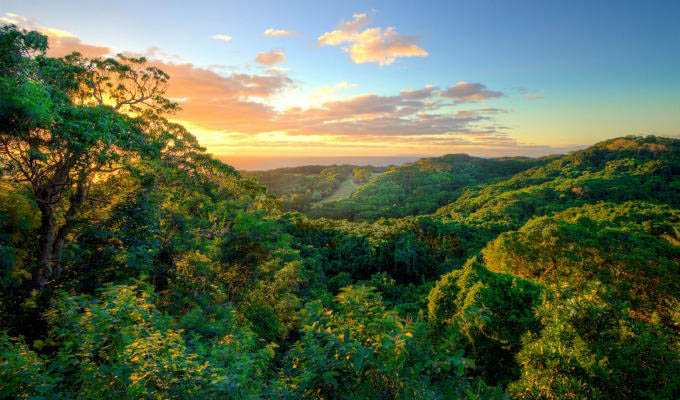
362,83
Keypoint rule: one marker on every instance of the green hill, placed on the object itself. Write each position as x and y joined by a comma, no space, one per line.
421,187
617,170
300,188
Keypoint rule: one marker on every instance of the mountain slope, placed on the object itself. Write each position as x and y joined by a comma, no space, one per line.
617,170
299,188
422,186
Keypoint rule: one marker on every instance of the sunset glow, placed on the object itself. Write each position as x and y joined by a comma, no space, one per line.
360,80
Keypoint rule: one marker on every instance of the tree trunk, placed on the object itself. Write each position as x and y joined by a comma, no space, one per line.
76,201
48,231
53,239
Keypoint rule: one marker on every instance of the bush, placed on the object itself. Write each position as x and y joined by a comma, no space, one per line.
492,312
23,374
362,350
591,348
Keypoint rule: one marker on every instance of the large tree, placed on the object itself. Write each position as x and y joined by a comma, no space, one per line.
67,123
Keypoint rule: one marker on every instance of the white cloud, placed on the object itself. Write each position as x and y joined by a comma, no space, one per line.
271,32
13,19
220,36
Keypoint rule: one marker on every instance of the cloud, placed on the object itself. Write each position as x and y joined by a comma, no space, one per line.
13,19
208,98
371,44
409,113
330,90
220,36
345,32
527,95
60,47
428,91
271,57
276,146
344,85
271,32
235,111
243,103
309,97
234,102
464,92
61,42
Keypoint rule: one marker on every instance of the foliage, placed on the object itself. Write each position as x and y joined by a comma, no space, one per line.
302,188
420,187
590,347
610,328
361,349
617,170
638,265
491,311
408,249
24,373
59,147
121,346
18,218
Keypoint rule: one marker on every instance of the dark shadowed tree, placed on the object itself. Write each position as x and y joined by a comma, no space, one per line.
61,130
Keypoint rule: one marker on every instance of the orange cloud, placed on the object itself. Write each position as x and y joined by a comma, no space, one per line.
240,103
271,57
233,111
372,44
419,94
345,32
233,103
60,47
13,19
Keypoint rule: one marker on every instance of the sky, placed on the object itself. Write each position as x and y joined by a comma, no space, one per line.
315,79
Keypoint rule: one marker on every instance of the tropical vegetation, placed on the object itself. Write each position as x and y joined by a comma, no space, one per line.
135,265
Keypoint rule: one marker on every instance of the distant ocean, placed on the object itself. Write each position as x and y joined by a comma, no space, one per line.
264,163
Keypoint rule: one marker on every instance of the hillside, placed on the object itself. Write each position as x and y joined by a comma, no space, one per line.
301,188
617,170
421,187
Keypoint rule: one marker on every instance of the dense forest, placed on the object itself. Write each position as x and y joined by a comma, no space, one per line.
302,188
415,188
135,265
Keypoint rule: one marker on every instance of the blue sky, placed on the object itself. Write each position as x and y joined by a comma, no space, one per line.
568,73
